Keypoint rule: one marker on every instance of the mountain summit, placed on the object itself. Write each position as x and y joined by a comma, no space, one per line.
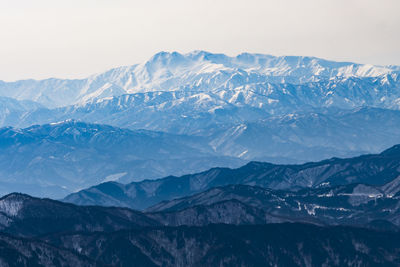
198,70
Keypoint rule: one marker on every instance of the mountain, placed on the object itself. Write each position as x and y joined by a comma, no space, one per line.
26,216
28,252
56,159
296,134
374,169
253,107
292,138
309,136
197,89
93,236
247,102
228,245
198,70
183,113
355,204
12,110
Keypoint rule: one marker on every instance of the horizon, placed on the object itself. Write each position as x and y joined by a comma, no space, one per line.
75,39
199,133
190,52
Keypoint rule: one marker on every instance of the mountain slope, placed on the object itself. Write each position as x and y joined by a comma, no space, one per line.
56,159
309,136
252,134
355,204
28,252
218,245
68,156
91,236
245,102
12,110
22,215
375,169
252,106
198,70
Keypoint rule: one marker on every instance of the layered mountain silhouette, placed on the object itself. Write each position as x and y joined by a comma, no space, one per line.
204,71
96,236
355,204
217,96
374,169
56,159
259,154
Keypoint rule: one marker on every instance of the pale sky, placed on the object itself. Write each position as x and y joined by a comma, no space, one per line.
76,38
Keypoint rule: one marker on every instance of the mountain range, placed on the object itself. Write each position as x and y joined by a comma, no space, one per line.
186,113
48,232
56,159
374,169
182,93
356,205
199,70
203,159
338,212
255,245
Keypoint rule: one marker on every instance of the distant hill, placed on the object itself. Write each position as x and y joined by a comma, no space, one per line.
56,159
374,169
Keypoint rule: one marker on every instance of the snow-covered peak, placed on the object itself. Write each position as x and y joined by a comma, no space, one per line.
194,71
11,204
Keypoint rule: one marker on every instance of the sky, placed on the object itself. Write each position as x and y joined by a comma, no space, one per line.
75,38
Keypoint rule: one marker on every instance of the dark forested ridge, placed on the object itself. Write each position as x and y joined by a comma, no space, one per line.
374,169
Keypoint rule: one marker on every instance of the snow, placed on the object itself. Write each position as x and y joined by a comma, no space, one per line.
199,70
311,208
114,177
150,188
243,153
11,207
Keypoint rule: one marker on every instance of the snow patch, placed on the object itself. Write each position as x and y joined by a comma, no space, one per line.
243,153
11,207
114,177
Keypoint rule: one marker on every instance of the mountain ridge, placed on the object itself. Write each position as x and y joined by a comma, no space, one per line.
140,77
359,205
374,169
93,235
58,158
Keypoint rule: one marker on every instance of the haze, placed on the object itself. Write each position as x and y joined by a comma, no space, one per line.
73,39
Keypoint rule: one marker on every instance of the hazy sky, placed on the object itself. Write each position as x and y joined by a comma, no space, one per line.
75,38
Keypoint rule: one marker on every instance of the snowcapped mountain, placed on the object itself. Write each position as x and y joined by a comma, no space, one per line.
58,158
12,110
197,71
246,133
187,109
195,110
308,136
186,93
205,71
